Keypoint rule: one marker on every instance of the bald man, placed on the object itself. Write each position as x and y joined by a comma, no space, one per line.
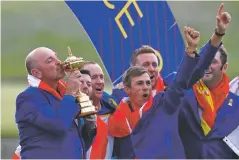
45,111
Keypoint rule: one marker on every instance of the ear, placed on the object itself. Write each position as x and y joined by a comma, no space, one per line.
36,73
127,90
224,68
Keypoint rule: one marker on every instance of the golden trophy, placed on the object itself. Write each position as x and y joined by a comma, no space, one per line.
76,63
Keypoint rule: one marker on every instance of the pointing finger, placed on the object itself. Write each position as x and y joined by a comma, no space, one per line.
219,12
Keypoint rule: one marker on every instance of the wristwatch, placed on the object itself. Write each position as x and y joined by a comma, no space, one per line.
219,34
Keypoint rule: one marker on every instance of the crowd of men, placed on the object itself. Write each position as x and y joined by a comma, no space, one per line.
188,114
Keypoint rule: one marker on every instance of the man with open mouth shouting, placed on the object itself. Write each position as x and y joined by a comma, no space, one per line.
102,147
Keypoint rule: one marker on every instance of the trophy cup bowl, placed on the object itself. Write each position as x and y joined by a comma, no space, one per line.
76,63
73,63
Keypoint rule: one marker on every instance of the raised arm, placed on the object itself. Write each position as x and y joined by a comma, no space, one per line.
209,50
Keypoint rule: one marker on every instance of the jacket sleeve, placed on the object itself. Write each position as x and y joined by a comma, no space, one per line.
118,94
207,53
36,110
169,78
190,71
89,130
175,91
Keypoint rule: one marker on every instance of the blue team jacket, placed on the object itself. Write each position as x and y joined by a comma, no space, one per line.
46,126
211,146
108,104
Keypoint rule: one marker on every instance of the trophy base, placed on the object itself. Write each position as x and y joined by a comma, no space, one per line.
87,107
87,113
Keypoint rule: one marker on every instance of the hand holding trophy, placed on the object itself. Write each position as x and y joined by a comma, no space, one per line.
76,63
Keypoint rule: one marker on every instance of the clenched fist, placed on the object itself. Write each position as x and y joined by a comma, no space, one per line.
192,38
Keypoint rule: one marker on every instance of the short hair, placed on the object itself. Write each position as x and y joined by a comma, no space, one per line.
131,72
84,71
30,64
223,55
144,49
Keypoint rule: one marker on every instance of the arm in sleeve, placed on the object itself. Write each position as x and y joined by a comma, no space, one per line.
172,96
89,130
207,53
118,94
36,110
190,71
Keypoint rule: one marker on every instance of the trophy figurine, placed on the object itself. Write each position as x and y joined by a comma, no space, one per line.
76,63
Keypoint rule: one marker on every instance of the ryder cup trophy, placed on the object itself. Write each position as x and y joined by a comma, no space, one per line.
76,63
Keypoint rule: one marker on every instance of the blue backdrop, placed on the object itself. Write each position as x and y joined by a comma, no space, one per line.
117,28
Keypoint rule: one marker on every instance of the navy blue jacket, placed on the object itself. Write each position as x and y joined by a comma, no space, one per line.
46,126
211,146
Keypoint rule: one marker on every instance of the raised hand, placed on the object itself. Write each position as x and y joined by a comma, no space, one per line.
192,38
223,20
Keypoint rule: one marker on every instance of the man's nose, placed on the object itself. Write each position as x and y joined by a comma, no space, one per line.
83,85
145,86
58,61
150,68
100,81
